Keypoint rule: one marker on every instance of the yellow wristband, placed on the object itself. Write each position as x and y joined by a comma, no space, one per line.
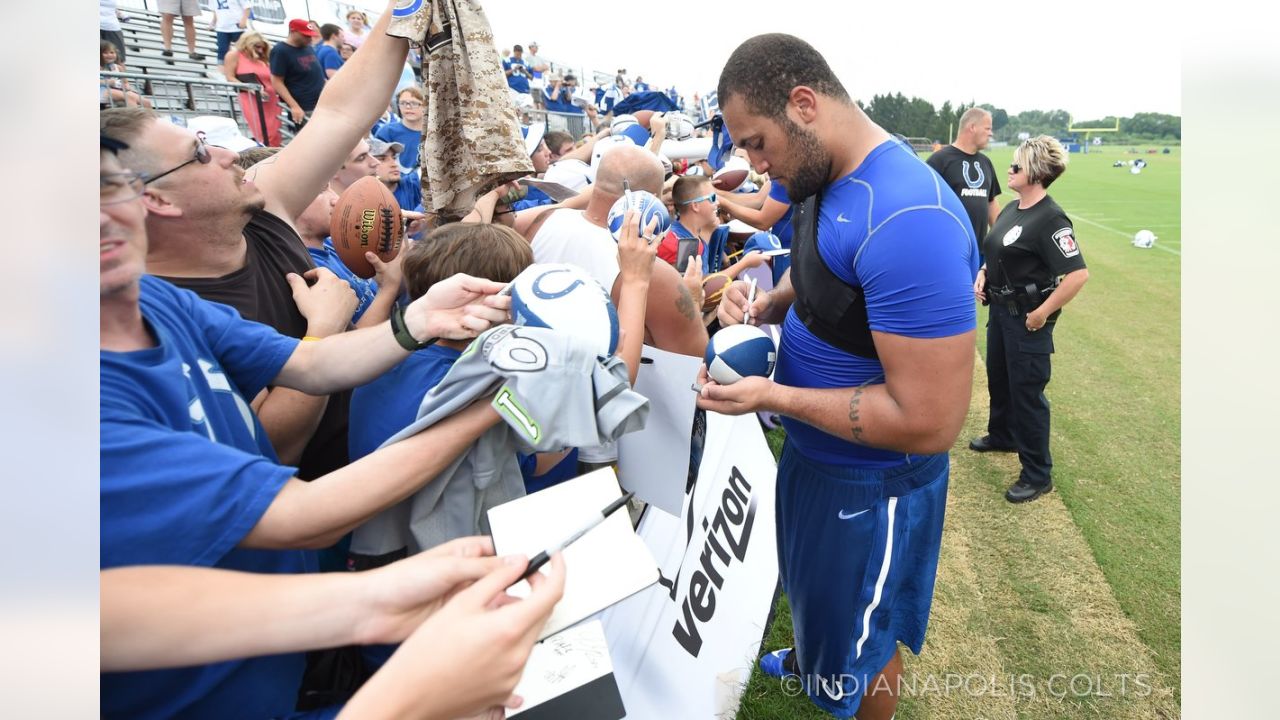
310,338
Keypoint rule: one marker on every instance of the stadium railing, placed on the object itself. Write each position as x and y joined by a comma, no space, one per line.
179,96
576,124
572,123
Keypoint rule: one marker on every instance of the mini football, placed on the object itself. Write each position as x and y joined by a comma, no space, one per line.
649,207
740,351
565,298
366,219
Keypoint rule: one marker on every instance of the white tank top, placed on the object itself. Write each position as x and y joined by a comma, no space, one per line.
568,237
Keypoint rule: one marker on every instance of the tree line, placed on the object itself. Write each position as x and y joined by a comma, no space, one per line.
916,117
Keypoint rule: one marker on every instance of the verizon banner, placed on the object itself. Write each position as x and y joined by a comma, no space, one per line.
684,648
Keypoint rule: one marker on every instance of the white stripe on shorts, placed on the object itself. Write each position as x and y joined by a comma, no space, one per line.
884,573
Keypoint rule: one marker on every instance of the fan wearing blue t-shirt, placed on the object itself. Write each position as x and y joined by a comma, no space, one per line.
557,96
697,217
768,209
407,131
874,371
328,50
517,71
188,475
374,296
381,408
386,405
406,187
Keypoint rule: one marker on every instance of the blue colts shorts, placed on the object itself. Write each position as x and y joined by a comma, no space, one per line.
858,552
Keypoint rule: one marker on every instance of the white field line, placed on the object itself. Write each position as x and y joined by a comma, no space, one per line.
1121,233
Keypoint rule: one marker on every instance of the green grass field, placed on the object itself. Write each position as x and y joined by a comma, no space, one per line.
1069,606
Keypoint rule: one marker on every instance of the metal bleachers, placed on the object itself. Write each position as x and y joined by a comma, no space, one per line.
178,86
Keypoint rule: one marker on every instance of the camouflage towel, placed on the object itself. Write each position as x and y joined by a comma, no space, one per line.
471,142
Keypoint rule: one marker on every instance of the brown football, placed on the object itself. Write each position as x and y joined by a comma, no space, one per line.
643,117
729,179
366,219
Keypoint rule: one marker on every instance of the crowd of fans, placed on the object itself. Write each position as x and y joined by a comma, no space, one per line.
250,378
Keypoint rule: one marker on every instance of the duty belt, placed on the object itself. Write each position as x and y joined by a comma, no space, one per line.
1019,300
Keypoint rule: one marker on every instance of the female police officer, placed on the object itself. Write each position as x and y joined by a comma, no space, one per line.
1033,268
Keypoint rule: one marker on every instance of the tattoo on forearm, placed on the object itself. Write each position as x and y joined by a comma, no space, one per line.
856,430
684,304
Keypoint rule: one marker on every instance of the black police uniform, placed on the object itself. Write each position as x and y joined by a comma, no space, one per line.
1026,252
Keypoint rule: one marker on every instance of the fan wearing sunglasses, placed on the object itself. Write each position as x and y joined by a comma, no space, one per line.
1033,268
697,232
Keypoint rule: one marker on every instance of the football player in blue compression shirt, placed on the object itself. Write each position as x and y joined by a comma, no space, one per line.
863,476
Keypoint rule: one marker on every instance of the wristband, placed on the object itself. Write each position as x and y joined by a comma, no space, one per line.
310,338
402,334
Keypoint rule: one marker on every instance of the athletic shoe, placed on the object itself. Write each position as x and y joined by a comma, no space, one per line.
779,663
195,56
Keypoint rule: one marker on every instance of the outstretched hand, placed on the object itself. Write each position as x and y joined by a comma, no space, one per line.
457,308
467,658
402,595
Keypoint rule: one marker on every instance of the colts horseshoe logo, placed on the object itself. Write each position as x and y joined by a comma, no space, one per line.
982,178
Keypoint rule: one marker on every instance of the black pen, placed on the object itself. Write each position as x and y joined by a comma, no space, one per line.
543,557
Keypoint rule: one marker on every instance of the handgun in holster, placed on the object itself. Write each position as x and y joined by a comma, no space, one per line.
1029,297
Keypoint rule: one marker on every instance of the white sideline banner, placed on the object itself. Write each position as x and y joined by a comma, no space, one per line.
684,648
654,462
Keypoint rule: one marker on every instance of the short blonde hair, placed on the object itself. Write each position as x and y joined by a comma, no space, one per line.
1043,158
973,116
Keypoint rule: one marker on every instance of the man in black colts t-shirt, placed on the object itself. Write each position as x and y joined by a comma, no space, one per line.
969,173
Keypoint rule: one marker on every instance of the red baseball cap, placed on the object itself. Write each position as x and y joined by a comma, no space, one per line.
302,26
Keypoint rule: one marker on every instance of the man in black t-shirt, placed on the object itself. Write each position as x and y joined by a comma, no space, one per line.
296,73
968,172
230,236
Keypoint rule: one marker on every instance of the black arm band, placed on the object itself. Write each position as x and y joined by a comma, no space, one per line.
401,331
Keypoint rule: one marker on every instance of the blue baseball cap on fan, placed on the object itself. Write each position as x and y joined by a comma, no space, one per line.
762,241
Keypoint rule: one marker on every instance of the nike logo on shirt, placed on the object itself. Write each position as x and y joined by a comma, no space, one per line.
842,218
842,516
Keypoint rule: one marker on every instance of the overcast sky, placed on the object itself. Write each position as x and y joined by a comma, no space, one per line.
1090,58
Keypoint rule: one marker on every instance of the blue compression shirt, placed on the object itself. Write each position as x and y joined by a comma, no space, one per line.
892,228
